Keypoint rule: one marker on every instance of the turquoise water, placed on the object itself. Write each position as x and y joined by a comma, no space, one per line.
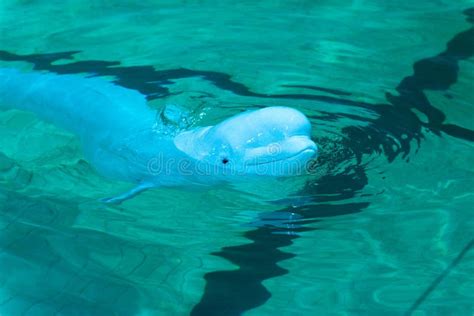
383,225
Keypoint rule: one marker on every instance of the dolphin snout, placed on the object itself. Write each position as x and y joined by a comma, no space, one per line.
302,143
299,148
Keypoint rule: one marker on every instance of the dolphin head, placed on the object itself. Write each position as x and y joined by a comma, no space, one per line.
273,141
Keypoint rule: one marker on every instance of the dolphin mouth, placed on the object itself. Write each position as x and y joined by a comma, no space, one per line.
310,152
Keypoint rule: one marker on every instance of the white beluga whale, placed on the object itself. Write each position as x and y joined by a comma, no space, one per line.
124,139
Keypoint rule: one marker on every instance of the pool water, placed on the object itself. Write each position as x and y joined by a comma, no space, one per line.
383,224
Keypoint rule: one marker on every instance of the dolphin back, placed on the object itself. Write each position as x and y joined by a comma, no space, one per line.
85,106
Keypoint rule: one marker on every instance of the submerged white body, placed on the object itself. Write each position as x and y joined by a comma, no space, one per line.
123,140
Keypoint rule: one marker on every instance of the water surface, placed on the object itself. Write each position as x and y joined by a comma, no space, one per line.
384,224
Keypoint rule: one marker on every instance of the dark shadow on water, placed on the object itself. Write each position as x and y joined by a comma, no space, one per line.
391,134
233,292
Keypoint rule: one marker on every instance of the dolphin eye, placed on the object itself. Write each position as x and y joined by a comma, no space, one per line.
225,161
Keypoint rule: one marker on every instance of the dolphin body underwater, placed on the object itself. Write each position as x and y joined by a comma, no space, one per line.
123,139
